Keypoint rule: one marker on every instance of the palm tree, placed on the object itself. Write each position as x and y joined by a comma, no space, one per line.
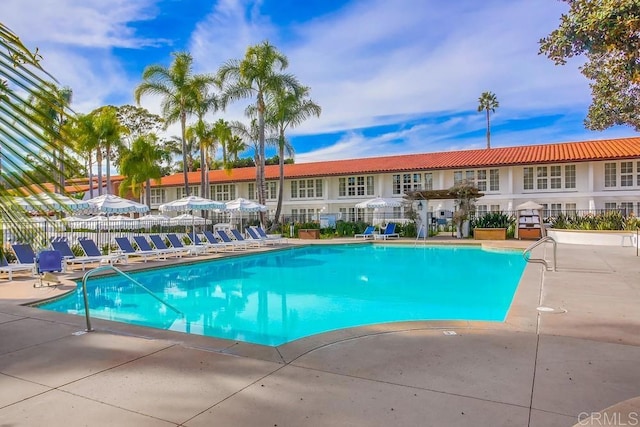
140,165
181,92
25,129
488,102
258,74
203,132
80,131
222,133
287,109
52,105
235,146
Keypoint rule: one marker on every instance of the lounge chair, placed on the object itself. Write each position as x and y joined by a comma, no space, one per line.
192,249
388,232
253,235
144,245
196,240
229,241
91,249
367,233
240,238
5,267
267,237
159,243
127,248
212,240
24,253
70,258
49,260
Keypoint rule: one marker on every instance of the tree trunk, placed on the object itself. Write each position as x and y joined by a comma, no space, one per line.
147,193
99,162
90,167
109,190
488,132
203,172
276,220
260,166
183,124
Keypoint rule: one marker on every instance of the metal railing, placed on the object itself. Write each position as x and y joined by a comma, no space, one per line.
542,260
120,272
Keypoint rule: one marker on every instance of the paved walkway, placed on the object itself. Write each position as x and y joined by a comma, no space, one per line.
537,369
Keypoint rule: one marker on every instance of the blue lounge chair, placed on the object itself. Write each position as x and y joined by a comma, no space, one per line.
69,257
389,232
367,233
176,243
253,235
159,243
196,240
212,240
269,238
24,253
5,267
229,241
240,238
91,249
143,245
127,248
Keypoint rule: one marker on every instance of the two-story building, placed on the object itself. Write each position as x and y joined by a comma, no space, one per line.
574,176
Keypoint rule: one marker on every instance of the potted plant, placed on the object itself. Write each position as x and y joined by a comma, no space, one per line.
492,226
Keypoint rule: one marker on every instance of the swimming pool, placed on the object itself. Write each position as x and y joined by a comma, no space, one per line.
277,297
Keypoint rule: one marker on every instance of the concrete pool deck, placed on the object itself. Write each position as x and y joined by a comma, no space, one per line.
536,369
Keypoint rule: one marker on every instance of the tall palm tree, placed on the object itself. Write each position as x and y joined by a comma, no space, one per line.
287,109
24,129
80,130
488,102
180,90
202,132
235,146
258,74
52,104
222,133
140,165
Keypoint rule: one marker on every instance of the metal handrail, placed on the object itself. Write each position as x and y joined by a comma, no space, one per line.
541,260
120,272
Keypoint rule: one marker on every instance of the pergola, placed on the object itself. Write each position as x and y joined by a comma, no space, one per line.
448,194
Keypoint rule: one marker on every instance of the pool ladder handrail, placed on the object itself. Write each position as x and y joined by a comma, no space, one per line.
542,260
120,272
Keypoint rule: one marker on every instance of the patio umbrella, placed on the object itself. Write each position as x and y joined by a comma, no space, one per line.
111,204
191,203
50,201
377,204
243,205
187,219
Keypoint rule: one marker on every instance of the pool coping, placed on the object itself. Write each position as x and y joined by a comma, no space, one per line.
521,315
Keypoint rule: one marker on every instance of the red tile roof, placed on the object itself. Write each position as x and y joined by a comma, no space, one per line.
608,149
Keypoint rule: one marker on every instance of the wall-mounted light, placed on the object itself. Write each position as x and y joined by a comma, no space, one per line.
420,205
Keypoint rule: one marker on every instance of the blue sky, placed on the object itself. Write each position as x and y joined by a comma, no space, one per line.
392,77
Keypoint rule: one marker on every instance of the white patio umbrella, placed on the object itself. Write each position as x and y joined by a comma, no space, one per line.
191,203
111,204
243,205
187,219
50,201
377,204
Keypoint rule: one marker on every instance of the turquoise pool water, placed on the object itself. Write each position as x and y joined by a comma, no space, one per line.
277,297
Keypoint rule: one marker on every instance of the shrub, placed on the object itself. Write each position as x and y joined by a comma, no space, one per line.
493,220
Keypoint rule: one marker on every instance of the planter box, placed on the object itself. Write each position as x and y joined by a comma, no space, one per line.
309,233
490,234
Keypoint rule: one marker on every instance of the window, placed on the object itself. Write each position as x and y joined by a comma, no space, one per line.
223,192
457,177
428,181
158,196
481,182
626,207
610,206
356,186
556,177
527,178
252,191
272,190
351,214
481,210
545,210
494,179
194,190
495,208
570,176
570,208
556,209
638,176
610,175
306,189
541,173
626,174
411,181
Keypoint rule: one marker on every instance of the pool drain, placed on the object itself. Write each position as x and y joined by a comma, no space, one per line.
544,309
